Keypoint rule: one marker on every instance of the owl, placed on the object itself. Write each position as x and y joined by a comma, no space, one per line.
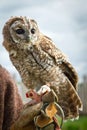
40,62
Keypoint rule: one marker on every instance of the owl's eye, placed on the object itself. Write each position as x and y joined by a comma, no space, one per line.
33,31
20,31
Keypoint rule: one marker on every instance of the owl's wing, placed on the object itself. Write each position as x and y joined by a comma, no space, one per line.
60,59
67,97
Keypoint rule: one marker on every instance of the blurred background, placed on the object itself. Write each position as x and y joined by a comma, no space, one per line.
65,21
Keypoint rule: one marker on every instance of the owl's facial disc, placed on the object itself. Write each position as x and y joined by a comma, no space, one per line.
22,32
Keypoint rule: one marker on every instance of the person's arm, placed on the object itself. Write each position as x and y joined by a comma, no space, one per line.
10,100
2,94
12,114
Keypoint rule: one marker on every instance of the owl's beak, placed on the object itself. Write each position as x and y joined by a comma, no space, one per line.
28,38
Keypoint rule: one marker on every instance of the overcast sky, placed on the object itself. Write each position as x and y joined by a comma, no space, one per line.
65,21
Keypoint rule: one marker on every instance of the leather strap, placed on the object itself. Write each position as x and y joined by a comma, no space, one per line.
47,120
50,126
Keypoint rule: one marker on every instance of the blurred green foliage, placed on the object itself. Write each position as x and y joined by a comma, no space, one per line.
80,124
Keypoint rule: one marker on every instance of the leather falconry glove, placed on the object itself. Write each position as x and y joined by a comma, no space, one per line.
25,120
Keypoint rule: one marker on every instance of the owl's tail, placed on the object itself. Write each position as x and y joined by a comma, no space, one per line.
69,100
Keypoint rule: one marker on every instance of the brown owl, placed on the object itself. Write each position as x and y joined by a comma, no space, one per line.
39,62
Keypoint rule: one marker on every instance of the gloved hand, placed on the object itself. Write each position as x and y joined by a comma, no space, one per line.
25,120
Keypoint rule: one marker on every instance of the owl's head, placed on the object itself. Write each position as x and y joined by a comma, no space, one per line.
20,30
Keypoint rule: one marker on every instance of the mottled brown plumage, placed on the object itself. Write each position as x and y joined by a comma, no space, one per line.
39,62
